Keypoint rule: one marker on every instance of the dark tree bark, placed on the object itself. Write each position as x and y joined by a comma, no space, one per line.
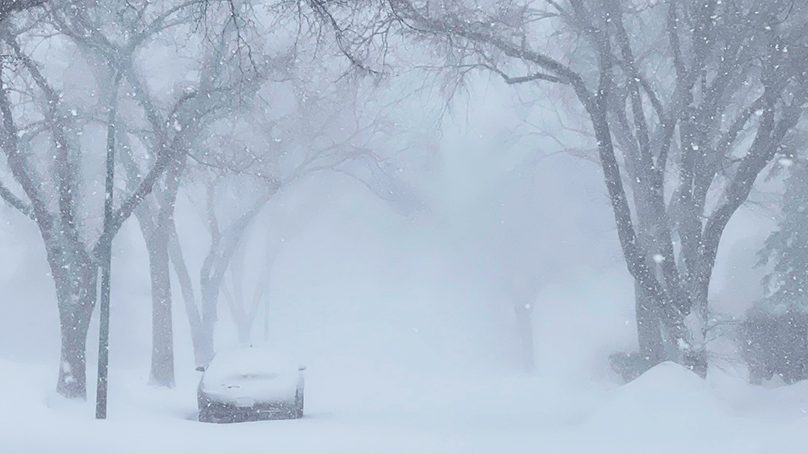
649,329
75,276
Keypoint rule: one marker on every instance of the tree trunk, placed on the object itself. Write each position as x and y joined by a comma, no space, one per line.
649,331
210,300
652,342
204,344
186,286
162,361
162,365
75,277
695,356
72,381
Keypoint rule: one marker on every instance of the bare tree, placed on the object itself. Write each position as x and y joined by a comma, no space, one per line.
72,258
688,100
243,311
260,154
58,189
224,84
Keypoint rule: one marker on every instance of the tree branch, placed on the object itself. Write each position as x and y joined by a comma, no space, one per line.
16,202
64,170
18,163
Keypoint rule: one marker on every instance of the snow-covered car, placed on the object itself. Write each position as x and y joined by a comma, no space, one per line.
250,384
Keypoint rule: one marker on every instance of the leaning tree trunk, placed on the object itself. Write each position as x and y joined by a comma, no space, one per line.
187,289
75,276
223,248
211,279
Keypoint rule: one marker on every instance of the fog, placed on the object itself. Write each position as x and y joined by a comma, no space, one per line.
359,283
455,227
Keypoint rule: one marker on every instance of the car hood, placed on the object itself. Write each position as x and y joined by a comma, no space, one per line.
258,388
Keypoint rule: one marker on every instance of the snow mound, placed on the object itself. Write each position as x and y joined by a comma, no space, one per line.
666,398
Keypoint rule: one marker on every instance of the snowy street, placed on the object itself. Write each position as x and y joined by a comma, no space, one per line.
423,414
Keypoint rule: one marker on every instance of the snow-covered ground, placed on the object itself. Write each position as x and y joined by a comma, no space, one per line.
668,410
407,352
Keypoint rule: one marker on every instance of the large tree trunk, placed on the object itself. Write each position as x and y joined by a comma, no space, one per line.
695,357
162,365
652,341
649,331
162,361
74,324
157,226
75,277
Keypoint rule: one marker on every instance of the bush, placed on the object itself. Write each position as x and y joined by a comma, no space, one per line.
775,344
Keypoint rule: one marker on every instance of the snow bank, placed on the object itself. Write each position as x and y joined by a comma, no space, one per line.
668,394
673,409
